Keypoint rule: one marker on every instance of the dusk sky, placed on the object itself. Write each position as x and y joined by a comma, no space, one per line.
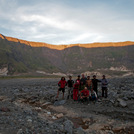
68,21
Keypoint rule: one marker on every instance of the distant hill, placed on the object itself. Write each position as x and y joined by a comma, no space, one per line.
22,56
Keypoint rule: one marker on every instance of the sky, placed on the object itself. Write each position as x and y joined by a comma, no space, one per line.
68,21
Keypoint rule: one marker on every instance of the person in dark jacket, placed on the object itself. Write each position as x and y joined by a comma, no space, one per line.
104,84
62,83
83,79
95,84
70,84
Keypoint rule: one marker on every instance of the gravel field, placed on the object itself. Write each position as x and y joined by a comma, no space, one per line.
28,106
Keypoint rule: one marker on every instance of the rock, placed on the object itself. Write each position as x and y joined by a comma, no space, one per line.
122,103
112,101
49,113
5,109
20,131
125,98
38,109
2,98
59,115
29,120
80,131
68,126
117,129
86,120
57,103
99,100
116,104
45,105
54,118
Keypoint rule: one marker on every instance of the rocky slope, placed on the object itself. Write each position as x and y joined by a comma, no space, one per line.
23,56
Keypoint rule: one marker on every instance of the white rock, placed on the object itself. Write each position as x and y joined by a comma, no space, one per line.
122,102
49,113
46,104
20,131
29,120
54,118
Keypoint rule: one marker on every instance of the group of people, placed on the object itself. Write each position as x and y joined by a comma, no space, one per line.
83,88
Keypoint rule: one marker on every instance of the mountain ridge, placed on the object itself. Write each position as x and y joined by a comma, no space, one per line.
21,56
62,47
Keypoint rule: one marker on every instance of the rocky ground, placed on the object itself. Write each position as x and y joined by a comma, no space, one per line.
28,106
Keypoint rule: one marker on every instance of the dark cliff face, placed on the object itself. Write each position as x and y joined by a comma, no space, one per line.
23,56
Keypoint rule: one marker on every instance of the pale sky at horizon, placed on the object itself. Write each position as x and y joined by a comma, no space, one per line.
68,21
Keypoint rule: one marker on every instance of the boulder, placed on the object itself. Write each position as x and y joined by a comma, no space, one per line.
45,105
68,126
59,115
122,103
80,131
61,102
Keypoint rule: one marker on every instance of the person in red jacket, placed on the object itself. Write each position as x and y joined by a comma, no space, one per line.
78,79
62,83
84,94
76,91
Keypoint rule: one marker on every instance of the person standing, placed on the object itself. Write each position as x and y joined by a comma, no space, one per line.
95,84
62,83
81,86
76,91
70,84
78,79
89,84
104,84
83,79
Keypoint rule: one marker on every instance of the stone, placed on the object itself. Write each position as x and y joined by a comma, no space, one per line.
86,121
59,115
68,126
38,109
49,113
5,109
122,103
45,105
2,98
57,103
80,131
112,101
54,118
20,131
29,120
117,129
